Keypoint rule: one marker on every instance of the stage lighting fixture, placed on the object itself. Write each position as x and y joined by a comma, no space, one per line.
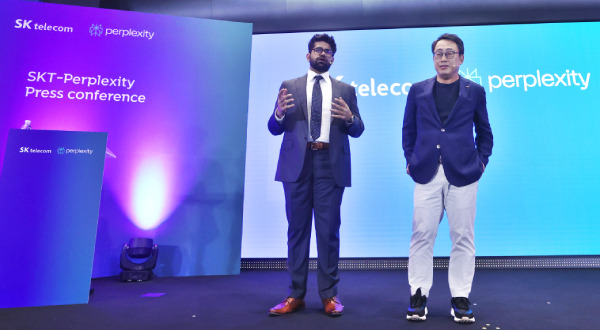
138,258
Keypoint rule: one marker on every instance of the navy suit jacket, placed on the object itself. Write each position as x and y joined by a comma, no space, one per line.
425,138
295,132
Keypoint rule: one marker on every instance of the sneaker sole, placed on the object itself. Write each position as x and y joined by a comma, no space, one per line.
464,319
416,317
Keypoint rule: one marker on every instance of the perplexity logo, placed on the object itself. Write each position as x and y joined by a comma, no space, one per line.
96,30
74,151
79,151
570,78
471,75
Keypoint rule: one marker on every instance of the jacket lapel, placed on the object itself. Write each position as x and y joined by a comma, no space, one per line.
336,89
301,94
430,101
463,92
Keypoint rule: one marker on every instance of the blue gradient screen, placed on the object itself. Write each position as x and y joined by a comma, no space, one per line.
172,94
538,195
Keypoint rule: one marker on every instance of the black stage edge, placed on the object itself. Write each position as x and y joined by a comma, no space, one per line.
584,261
373,299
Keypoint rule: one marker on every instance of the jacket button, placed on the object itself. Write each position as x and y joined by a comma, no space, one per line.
443,129
438,146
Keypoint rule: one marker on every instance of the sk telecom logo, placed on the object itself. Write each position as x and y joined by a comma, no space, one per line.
473,76
96,30
60,151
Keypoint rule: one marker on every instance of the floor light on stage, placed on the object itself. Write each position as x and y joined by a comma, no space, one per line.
138,258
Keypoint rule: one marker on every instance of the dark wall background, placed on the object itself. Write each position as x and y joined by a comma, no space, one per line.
274,16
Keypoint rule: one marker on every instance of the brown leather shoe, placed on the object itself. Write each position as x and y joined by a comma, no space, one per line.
288,305
333,306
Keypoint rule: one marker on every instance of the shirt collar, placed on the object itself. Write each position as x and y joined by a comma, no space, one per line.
311,75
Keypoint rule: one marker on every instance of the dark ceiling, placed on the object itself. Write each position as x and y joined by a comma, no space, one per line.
274,16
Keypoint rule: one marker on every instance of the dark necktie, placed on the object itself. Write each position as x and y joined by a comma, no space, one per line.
315,110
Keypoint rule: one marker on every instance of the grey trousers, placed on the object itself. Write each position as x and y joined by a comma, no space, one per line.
430,201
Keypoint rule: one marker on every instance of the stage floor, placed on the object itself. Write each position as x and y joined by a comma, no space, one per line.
502,299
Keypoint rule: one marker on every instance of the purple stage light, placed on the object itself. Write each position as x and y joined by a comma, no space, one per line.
150,190
153,295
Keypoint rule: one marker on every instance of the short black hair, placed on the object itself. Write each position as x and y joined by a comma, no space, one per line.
322,37
451,37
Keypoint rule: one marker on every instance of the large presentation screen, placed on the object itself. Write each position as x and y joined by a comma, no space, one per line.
538,195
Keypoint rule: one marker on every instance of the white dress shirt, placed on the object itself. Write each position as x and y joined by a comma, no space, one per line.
326,91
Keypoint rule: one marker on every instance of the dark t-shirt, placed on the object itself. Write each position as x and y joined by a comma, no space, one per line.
445,96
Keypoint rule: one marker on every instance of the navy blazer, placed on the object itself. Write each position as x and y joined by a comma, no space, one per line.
425,139
295,132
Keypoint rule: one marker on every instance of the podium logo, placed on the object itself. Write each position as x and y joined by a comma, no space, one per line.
60,151
96,30
77,151
29,150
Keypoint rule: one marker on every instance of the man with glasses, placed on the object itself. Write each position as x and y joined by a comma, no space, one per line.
446,161
316,113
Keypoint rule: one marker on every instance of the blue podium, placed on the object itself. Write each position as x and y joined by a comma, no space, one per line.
49,202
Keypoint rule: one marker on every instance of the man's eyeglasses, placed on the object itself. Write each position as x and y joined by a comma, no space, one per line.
320,51
449,54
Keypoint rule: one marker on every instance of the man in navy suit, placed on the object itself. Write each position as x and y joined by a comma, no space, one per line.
316,113
446,161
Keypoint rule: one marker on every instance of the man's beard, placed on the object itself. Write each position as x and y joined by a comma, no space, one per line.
321,66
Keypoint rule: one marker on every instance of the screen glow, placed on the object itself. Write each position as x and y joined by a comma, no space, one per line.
540,185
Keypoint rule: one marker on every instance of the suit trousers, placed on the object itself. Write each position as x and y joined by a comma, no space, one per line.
315,191
430,201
